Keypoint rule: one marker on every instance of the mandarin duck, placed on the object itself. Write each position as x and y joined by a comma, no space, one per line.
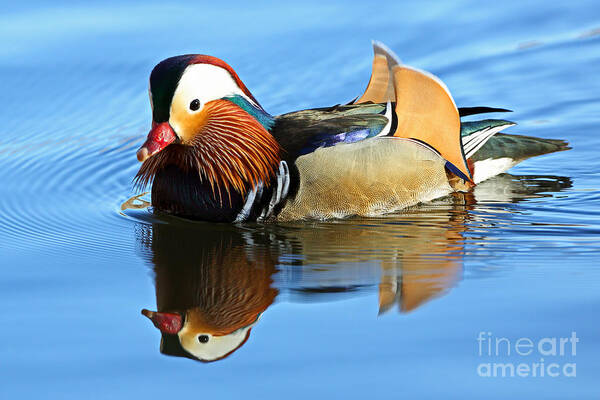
215,154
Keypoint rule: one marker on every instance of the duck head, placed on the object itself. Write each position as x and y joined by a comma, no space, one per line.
196,335
204,119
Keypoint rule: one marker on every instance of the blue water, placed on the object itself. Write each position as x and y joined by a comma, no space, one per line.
364,308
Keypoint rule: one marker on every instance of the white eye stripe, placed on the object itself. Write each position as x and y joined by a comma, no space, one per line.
205,82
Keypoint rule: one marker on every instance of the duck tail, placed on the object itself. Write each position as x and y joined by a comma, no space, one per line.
501,152
475,134
518,147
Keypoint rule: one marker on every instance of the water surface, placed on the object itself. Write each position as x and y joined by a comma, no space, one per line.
356,308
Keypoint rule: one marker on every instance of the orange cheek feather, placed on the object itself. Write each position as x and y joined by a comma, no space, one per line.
187,125
236,149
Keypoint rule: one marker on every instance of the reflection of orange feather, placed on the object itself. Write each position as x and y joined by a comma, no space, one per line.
213,276
235,286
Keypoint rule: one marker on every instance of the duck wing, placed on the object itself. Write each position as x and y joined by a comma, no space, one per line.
302,132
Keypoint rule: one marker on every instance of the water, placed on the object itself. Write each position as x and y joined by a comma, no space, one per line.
356,308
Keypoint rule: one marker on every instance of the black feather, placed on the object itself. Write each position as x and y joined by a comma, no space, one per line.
464,111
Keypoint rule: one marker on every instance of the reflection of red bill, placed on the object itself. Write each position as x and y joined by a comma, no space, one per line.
170,323
160,136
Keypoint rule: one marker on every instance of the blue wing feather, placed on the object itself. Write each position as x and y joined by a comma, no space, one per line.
324,140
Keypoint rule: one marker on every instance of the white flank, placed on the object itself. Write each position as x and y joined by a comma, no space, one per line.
485,169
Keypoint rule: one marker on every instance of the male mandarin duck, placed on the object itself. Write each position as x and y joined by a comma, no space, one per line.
215,154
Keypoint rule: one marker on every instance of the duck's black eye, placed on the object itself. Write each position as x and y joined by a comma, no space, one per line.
203,338
195,105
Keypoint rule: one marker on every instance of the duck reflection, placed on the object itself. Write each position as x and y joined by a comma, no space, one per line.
214,281
211,287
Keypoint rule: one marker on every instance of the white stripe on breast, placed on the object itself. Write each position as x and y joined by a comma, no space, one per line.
243,215
388,114
279,192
